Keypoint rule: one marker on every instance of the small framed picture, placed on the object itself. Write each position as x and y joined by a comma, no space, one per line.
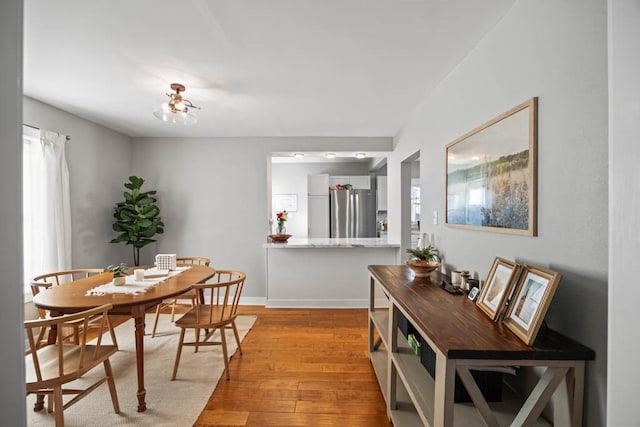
498,286
473,293
530,302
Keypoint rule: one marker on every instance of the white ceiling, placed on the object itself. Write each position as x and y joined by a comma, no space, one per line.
255,67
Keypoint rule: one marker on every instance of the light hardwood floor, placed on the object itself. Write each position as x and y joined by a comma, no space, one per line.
300,367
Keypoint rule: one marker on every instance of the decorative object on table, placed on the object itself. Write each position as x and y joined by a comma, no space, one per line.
492,172
451,288
119,273
498,287
473,293
530,301
156,273
424,260
456,278
137,218
281,218
166,261
414,344
279,238
138,274
464,280
473,283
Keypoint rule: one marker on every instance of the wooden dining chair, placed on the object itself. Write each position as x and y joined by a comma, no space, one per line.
50,368
189,296
218,312
45,281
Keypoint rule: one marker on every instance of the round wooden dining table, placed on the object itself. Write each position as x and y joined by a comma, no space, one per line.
72,297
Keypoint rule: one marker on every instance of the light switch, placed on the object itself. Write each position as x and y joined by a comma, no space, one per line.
435,217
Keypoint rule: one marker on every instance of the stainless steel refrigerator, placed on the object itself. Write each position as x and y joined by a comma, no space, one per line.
353,213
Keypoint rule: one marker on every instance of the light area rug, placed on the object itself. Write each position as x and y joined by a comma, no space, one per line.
169,403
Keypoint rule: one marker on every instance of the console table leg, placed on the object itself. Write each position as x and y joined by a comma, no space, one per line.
540,395
444,391
577,393
476,396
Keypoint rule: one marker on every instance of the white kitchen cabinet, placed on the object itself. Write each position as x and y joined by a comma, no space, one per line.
318,185
362,182
335,180
357,182
318,216
381,182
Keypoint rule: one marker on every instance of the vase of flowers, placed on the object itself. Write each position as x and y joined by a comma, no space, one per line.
281,218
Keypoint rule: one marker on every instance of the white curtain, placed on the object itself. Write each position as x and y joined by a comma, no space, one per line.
46,206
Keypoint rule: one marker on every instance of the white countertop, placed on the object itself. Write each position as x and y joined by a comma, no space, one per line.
302,243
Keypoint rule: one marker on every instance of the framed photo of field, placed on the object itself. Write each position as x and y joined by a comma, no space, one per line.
498,287
530,302
491,176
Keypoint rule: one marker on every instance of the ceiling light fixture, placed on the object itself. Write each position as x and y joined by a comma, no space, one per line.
330,155
176,110
361,155
298,155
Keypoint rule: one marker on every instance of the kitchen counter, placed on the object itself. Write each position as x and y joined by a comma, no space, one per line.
304,243
324,273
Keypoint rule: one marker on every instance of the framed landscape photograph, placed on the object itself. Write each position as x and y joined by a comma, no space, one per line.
497,287
530,302
491,176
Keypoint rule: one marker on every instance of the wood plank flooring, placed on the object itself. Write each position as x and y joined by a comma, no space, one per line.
300,367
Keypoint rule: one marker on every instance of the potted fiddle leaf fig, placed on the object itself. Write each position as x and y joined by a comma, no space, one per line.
137,218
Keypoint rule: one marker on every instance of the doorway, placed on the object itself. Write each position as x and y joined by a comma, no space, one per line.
409,203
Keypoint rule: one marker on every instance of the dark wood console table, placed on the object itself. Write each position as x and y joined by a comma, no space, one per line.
463,338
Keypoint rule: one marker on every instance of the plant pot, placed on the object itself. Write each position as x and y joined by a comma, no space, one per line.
119,281
422,268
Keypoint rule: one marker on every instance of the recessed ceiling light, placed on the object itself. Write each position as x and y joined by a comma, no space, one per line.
298,155
361,155
330,155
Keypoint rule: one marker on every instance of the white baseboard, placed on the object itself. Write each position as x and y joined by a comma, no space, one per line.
317,303
252,300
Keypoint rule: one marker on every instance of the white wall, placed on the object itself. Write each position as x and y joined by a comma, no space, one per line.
12,404
99,164
215,195
291,178
624,212
557,52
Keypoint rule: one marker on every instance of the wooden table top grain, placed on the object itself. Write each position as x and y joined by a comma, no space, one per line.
72,297
459,329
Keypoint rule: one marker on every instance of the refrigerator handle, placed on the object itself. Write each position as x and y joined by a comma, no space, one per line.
356,215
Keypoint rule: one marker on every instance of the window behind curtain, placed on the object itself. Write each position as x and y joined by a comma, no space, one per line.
45,204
